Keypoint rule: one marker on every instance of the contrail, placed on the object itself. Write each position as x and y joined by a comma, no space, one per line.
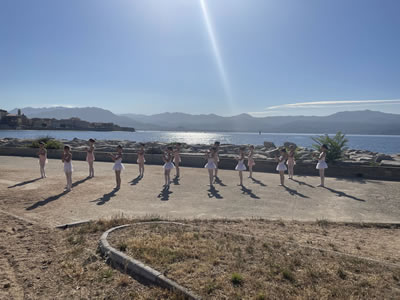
217,53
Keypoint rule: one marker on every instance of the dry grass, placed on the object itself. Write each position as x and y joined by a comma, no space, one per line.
222,265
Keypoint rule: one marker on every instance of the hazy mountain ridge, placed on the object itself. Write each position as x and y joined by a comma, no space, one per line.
351,122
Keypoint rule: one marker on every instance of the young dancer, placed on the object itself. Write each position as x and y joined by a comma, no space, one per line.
250,160
240,166
322,165
168,165
291,162
177,158
68,169
118,166
216,145
90,157
210,165
281,168
42,159
141,160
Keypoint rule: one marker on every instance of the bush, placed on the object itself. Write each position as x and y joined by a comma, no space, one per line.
50,143
337,145
236,279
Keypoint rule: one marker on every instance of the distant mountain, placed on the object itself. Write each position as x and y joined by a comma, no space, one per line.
351,122
90,114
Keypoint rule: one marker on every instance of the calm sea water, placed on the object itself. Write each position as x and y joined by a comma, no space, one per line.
378,143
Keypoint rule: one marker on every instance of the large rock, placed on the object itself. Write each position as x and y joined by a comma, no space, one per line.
269,145
273,153
382,156
288,144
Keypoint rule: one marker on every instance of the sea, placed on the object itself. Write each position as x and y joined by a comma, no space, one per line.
389,144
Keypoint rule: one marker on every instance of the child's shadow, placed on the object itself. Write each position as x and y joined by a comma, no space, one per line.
343,194
258,181
136,180
303,183
219,181
247,191
176,180
47,200
164,194
214,193
294,192
106,197
24,182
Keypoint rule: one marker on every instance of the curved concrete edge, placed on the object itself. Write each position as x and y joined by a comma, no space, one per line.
137,268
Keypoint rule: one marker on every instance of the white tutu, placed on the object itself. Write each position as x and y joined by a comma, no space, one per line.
281,166
210,164
68,167
118,166
168,166
240,166
321,164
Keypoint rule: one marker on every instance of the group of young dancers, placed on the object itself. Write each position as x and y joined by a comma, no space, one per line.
171,157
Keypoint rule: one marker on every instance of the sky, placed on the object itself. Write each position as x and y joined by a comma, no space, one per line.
264,57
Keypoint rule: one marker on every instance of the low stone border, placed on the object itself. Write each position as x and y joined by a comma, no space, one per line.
138,269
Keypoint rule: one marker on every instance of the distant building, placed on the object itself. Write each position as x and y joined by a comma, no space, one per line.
20,121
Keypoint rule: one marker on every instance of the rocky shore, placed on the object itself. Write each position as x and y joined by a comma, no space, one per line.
267,152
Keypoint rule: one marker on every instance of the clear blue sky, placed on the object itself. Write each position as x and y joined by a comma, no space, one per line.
152,56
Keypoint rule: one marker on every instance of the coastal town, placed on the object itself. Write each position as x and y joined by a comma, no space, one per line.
20,121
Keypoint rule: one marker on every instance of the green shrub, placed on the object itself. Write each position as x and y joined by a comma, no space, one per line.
236,279
337,145
50,143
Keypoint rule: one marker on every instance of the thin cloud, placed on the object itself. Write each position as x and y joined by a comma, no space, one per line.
344,103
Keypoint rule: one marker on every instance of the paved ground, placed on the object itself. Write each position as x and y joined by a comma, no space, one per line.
24,195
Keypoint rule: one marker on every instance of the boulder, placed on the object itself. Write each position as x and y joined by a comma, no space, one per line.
273,153
382,156
269,145
288,144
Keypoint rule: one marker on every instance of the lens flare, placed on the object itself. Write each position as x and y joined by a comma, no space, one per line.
217,54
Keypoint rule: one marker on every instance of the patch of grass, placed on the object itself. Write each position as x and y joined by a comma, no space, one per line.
123,281
76,239
106,273
288,275
323,222
50,143
342,274
122,246
236,279
261,296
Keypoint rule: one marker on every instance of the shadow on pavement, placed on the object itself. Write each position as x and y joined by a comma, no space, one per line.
106,197
214,193
258,181
249,192
46,201
164,194
343,194
294,192
303,183
136,180
24,182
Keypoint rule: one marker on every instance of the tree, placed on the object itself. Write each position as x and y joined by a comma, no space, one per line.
337,145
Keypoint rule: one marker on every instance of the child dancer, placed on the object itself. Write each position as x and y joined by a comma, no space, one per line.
321,165
281,168
250,160
141,160
210,165
67,160
177,158
168,165
118,166
90,157
42,159
216,145
240,166
291,162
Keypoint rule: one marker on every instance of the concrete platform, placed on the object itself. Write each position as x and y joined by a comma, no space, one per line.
44,200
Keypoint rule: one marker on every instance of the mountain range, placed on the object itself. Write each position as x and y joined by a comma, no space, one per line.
350,122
